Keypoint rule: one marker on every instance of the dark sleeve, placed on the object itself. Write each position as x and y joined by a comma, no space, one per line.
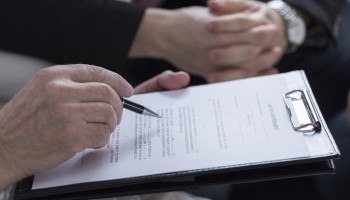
96,32
323,12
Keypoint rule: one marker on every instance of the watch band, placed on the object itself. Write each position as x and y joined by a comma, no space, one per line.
295,26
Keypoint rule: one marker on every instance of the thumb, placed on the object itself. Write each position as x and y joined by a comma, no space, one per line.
167,80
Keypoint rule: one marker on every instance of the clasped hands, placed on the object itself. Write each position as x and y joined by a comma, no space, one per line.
231,39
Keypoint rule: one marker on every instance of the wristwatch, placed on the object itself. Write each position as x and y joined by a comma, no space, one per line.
295,25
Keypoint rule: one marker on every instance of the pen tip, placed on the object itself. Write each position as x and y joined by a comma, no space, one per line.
150,113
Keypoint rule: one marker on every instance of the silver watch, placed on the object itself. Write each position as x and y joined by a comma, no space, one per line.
295,26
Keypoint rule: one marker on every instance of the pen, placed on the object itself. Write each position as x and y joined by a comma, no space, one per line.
137,108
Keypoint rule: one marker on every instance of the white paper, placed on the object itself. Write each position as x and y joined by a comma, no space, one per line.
320,144
234,123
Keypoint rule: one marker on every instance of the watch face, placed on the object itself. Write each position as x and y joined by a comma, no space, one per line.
296,31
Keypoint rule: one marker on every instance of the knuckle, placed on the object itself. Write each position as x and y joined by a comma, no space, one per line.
266,12
45,74
57,87
106,91
56,91
95,70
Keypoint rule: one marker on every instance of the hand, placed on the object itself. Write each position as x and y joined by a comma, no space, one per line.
167,80
179,37
237,73
250,23
61,111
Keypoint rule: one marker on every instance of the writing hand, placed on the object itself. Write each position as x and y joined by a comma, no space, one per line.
61,111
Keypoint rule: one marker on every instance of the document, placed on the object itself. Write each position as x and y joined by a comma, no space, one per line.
237,123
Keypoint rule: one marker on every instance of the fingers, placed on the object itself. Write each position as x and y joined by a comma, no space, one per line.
263,36
99,121
263,61
233,22
229,74
226,7
231,55
89,73
98,92
96,135
99,113
266,72
167,80
258,66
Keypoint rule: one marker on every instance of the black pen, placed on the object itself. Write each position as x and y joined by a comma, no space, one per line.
137,108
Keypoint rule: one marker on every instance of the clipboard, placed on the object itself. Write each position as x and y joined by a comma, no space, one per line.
305,118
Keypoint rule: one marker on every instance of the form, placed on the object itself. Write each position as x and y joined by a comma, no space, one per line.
233,123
